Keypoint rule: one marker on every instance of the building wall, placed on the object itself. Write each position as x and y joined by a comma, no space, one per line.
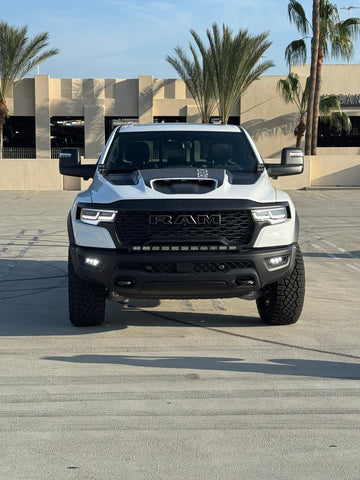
42,116
263,113
267,118
319,171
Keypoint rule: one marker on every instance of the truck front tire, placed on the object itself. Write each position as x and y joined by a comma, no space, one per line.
86,300
283,300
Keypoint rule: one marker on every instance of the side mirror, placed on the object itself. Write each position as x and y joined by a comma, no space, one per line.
292,163
70,164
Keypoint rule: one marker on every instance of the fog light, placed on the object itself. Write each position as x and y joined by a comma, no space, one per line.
93,262
126,282
279,261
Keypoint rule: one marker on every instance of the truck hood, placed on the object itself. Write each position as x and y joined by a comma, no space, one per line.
181,183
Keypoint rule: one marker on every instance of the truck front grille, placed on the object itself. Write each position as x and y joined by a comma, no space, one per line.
217,227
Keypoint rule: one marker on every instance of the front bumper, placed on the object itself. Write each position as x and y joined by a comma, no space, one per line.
178,275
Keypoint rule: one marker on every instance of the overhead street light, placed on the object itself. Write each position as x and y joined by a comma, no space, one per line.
349,9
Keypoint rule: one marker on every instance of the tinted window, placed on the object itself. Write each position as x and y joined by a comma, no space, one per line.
145,150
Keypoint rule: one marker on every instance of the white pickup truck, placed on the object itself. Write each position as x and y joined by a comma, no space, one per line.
183,211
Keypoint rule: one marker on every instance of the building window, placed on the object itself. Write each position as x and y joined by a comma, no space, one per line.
66,132
113,122
329,137
169,119
19,137
231,121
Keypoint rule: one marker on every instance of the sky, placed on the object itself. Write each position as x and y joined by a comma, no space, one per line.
127,38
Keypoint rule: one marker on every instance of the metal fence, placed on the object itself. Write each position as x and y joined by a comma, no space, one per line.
55,152
29,152
18,152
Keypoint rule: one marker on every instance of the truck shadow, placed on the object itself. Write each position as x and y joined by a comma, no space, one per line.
33,301
276,366
139,312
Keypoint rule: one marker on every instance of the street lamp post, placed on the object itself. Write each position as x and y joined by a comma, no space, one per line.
349,9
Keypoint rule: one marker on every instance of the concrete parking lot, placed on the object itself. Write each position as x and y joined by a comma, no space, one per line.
174,390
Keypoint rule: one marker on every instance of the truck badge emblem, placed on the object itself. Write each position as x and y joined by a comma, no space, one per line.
185,219
202,173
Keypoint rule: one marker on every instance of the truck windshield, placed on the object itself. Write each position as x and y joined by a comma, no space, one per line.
179,149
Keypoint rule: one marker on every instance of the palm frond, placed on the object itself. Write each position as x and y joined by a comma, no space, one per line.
338,121
290,90
228,65
298,17
329,103
351,27
195,72
19,54
331,113
296,52
237,63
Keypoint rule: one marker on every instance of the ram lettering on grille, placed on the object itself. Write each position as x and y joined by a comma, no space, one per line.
185,219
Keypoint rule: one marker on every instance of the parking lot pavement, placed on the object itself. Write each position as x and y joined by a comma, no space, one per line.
174,390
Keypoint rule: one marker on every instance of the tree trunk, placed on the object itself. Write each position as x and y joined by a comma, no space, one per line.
4,114
313,74
240,110
299,131
316,108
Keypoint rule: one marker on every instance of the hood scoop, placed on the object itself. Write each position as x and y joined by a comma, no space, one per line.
176,186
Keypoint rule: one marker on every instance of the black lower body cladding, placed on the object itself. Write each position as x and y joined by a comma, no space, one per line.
178,275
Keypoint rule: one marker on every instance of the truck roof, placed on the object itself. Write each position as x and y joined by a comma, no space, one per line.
179,127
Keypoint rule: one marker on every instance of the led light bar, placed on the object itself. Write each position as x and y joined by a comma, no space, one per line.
183,248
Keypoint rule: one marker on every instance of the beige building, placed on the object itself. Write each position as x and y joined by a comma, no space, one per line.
94,106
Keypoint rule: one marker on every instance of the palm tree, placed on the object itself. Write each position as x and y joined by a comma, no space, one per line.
329,107
197,75
226,69
18,56
335,40
237,63
313,112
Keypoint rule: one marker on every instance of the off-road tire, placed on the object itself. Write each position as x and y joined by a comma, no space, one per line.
86,300
283,300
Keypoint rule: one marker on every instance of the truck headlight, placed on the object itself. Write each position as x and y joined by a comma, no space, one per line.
95,216
270,215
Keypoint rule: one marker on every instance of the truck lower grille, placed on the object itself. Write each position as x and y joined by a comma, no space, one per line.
217,227
197,267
